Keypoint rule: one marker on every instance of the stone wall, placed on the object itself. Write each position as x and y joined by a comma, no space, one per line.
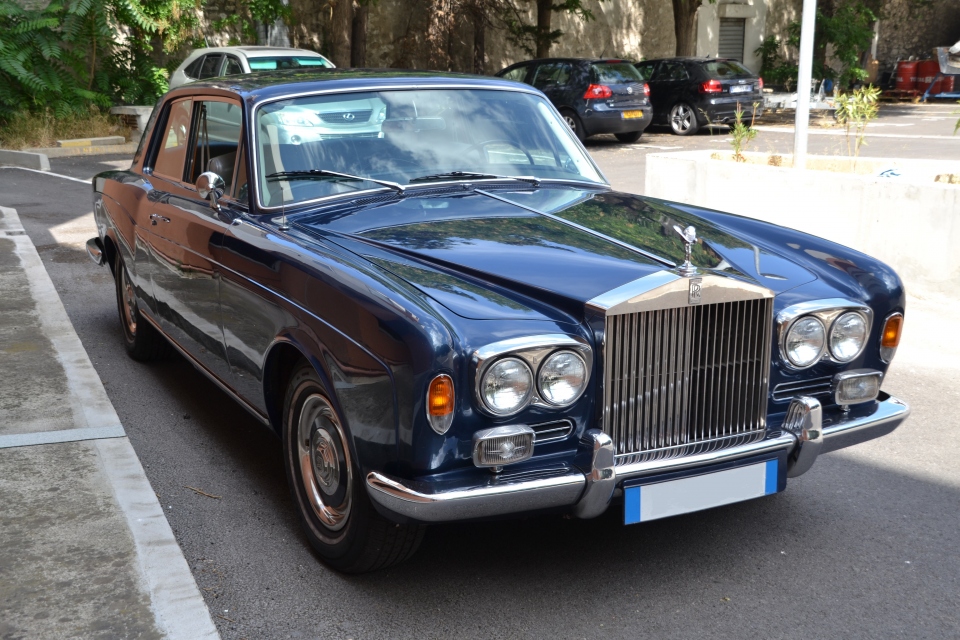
910,30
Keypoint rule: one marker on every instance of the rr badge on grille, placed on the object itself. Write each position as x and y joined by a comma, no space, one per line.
695,290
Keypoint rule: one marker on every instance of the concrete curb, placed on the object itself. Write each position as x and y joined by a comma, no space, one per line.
27,159
92,142
178,607
128,148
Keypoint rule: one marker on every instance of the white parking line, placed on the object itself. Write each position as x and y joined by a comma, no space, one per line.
49,173
869,133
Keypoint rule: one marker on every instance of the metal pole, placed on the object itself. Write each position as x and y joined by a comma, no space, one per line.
807,25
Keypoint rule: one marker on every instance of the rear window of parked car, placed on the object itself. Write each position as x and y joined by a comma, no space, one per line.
615,73
284,62
725,69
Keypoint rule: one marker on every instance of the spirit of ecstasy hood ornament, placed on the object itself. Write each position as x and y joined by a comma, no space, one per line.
689,236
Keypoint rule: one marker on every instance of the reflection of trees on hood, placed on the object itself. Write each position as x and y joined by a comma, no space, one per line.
533,231
444,282
649,225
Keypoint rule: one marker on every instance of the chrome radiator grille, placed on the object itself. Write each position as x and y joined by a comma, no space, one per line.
686,380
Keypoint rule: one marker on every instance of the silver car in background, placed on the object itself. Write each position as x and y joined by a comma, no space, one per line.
213,62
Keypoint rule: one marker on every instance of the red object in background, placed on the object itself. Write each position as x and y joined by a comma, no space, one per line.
711,86
597,91
947,84
907,75
759,84
927,70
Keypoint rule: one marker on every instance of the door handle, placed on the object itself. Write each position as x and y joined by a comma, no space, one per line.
154,217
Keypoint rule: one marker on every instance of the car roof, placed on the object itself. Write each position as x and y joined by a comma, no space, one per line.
266,85
587,60
256,51
693,59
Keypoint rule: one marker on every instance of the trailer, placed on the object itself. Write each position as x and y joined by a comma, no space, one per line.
947,76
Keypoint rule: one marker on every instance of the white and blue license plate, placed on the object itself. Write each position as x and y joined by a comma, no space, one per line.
695,493
741,88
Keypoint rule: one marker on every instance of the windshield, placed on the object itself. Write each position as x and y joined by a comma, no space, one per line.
410,138
285,62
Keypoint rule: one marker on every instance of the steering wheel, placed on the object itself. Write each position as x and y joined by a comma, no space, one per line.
481,145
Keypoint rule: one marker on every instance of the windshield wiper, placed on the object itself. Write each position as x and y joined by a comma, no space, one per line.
467,175
314,174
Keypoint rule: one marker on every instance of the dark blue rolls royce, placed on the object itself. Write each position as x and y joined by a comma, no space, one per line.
425,286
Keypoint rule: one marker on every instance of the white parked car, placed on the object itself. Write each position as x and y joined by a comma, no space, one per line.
213,62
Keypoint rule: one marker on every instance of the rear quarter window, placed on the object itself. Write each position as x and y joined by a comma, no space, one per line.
615,73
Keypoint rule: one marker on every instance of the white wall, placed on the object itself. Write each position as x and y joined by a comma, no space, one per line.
912,224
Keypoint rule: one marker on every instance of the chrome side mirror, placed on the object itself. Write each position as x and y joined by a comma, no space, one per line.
210,186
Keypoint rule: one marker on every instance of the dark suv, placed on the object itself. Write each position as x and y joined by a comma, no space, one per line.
593,96
688,93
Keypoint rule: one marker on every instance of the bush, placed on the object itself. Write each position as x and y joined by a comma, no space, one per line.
43,129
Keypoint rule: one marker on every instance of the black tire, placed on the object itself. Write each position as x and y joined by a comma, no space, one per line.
337,517
633,136
143,342
683,119
573,121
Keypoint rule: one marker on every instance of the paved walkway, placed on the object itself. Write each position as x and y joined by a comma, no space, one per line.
85,549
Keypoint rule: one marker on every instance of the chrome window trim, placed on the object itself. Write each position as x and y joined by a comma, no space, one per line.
827,311
669,290
257,104
532,351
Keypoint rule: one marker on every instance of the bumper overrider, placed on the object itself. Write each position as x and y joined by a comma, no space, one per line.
588,491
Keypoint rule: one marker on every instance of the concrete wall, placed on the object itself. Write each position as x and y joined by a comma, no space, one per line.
911,30
912,224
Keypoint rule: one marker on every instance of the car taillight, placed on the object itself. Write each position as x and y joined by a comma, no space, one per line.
597,91
646,89
759,84
711,86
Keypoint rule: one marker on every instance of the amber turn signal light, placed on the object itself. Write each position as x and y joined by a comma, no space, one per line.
890,339
440,402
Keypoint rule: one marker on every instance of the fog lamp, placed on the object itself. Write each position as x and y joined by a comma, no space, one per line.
502,445
856,386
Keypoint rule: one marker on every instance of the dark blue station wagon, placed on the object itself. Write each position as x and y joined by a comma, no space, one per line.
426,288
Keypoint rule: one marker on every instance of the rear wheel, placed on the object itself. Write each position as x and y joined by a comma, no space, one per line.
573,121
633,136
143,342
336,514
683,119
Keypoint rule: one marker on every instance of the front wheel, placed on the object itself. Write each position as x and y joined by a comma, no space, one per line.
683,120
336,514
633,136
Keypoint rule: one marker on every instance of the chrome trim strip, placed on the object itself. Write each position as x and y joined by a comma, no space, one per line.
213,378
668,290
889,414
95,250
425,502
592,232
827,311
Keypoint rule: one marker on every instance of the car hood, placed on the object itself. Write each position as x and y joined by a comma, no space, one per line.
505,254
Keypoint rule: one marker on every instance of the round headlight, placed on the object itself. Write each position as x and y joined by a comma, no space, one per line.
847,337
805,341
506,386
562,378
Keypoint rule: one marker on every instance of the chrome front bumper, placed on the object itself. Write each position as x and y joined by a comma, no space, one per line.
588,493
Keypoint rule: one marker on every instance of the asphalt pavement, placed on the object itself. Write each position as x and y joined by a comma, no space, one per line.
862,546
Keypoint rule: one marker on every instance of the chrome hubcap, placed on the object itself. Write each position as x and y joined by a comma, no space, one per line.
681,118
324,462
129,302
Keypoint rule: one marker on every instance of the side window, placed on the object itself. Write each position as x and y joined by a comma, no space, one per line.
210,67
673,71
193,70
518,75
552,74
646,70
233,67
215,141
173,143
